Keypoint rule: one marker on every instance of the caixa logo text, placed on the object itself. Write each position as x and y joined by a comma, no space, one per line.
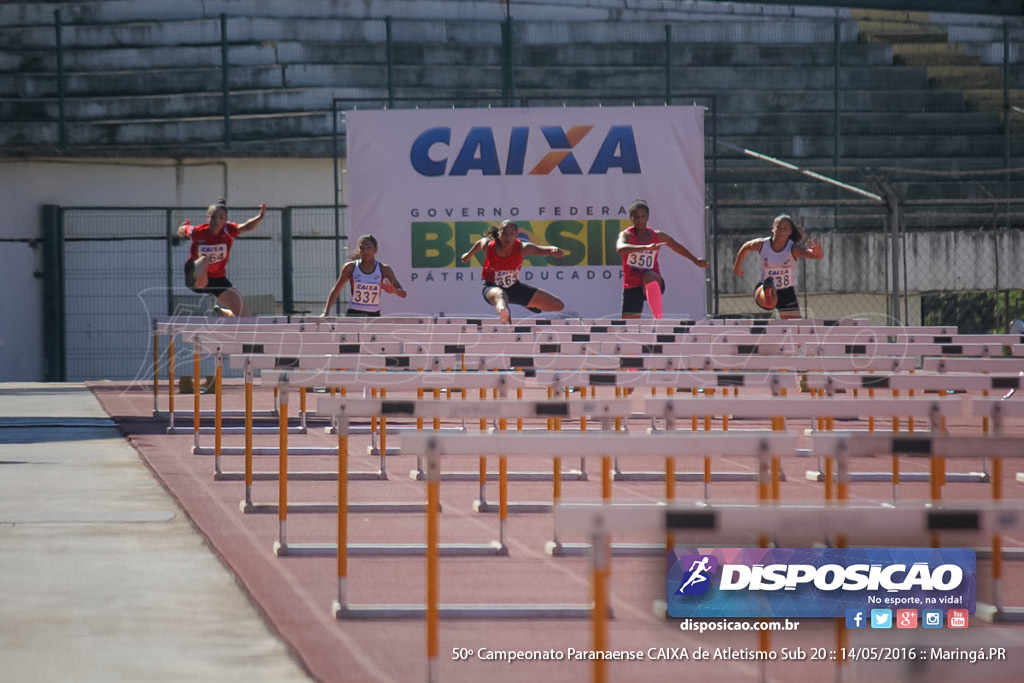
434,153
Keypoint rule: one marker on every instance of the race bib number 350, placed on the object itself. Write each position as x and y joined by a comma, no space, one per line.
641,260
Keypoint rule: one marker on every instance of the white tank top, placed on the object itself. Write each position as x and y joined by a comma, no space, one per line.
780,265
365,289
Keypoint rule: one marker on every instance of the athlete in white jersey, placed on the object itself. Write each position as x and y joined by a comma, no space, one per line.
367,278
778,254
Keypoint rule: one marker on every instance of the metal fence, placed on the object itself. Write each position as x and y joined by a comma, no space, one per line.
929,126
121,266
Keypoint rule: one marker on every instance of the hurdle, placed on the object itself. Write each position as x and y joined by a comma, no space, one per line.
743,525
986,365
763,446
996,410
937,449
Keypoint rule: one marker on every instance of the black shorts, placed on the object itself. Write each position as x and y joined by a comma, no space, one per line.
633,299
214,285
787,300
350,313
519,293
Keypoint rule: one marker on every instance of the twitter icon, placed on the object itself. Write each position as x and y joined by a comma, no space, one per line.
881,618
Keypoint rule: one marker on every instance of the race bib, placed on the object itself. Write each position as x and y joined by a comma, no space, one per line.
781,277
214,253
641,260
366,294
506,278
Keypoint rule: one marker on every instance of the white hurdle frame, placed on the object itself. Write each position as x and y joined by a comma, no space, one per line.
763,446
937,448
779,409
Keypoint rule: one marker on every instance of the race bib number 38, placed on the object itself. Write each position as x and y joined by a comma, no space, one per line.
641,260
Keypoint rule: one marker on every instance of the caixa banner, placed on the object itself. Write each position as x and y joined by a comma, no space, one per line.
817,582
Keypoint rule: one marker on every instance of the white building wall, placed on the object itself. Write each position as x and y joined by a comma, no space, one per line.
27,185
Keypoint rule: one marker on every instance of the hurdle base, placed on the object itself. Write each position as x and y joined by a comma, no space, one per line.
236,431
301,476
351,430
999,615
519,507
373,450
569,475
1020,477
690,476
464,611
492,549
555,549
909,477
318,508
1008,554
266,451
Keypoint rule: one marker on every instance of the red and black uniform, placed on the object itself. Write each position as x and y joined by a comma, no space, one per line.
503,272
634,265
217,250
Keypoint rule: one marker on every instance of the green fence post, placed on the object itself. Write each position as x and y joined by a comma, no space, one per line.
390,63
508,85
1006,120
837,127
287,263
54,329
668,64
169,260
62,125
224,79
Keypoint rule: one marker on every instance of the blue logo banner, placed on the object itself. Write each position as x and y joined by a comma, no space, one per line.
818,582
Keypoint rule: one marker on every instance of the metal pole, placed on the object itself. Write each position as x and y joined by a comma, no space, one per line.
668,64
54,329
224,79
836,119
894,211
1006,118
61,113
714,197
287,262
390,63
337,193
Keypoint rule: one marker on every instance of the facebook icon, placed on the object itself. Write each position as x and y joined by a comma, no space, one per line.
856,618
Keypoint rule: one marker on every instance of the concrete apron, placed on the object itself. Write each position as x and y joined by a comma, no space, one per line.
102,577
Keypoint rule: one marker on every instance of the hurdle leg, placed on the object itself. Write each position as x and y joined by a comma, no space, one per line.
247,502
895,478
383,439
502,504
170,385
433,583
156,371
483,459
601,570
218,413
670,495
555,545
342,427
196,391
281,546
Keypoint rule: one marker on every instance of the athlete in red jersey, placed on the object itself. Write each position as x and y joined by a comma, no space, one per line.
206,268
641,276
503,259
